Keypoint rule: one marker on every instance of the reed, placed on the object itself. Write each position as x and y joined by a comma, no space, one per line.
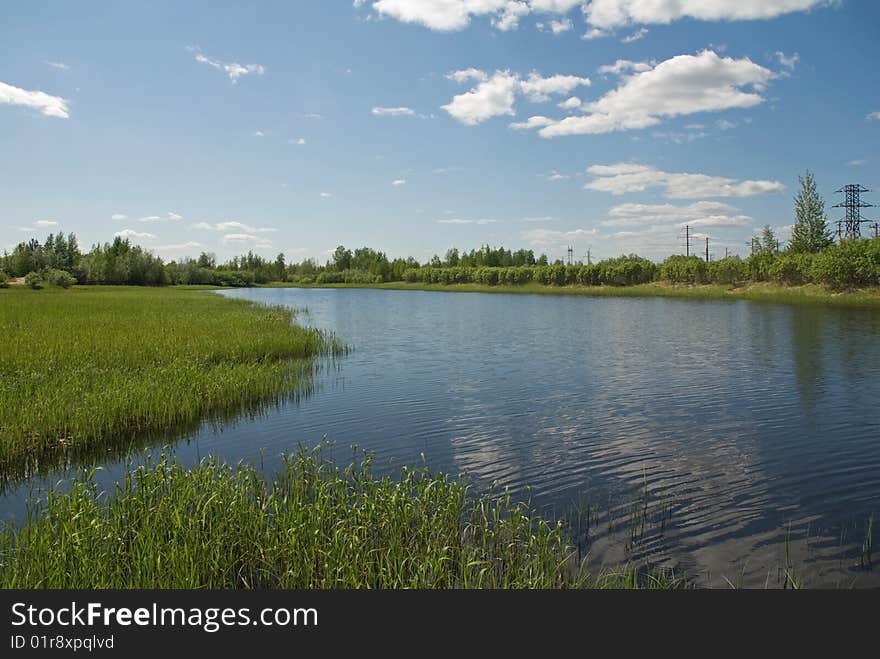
314,525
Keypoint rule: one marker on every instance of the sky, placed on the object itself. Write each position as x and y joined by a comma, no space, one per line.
412,126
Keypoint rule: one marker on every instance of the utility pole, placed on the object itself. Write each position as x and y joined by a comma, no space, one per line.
589,262
687,240
876,228
707,249
570,254
726,254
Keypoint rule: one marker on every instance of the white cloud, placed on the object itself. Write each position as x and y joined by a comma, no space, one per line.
46,223
682,85
724,124
873,116
233,69
510,15
457,220
326,195
59,65
532,123
700,214
679,137
495,96
259,133
313,115
571,103
786,61
550,238
540,218
393,112
399,181
560,26
448,15
170,217
623,66
594,33
463,75
608,14
300,141
178,246
245,239
857,163
635,36
556,176
51,106
118,216
131,233
628,177
232,226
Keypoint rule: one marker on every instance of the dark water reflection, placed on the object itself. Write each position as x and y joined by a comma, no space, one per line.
750,429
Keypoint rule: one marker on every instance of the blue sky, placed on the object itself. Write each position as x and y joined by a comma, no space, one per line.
417,125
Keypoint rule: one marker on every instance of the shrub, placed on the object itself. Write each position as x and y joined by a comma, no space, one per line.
758,266
34,280
4,280
59,278
626,271
848,264
792,268
729,270
680,269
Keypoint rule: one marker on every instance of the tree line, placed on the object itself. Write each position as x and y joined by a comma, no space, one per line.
811,256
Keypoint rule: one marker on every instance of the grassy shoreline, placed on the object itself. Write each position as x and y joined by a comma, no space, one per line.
84,370
315,525
807,294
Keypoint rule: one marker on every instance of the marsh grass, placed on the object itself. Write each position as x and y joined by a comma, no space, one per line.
86,369
315,525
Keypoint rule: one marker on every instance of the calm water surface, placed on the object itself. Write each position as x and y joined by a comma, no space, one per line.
752,430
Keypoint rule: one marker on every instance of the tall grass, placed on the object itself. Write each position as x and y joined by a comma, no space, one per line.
315,525
84,369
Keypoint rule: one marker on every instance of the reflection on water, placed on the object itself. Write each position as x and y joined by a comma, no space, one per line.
747,432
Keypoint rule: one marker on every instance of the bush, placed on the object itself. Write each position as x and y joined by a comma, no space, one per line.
680,269
730,270
849,264
59,278
4,280
791,268
758,266
34,280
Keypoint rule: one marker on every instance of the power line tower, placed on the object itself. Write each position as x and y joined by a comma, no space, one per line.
850,226
687,240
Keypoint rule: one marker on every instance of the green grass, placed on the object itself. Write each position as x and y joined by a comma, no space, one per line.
87,369
762,292
314,526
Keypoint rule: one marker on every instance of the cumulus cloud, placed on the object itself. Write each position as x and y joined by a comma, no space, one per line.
119,216
625,66
233,69
635,36
495,95
532,123
393,112
560,26
571,103
398,181
630,177
873,116
232,226
131,233
788,62
300,141
51,106
682,85
179,246
46,223
556,176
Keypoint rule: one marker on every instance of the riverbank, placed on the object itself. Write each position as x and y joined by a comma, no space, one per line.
761,292
89,368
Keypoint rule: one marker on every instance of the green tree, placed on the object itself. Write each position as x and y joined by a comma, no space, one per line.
810,233
769,244
342,258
